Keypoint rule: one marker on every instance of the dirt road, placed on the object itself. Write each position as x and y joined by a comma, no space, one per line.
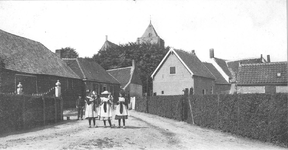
143,132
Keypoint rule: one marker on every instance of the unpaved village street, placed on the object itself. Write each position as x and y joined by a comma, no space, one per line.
143,132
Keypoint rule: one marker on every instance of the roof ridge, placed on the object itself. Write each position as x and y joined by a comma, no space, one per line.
242,59
262,64
119,68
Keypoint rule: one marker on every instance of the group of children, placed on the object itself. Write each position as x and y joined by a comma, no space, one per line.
101,108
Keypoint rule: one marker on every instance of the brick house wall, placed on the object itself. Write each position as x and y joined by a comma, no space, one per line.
203,85
222,88
135,90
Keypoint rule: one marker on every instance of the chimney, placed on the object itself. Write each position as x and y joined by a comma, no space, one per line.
193,52
106,37
211,53
268,58
59,53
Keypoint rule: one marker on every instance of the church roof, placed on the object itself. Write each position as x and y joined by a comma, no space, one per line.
150,31
107,45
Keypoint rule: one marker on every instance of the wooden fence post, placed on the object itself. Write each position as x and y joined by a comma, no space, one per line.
61,107
23,114
218,114
190,106
55,106
44,111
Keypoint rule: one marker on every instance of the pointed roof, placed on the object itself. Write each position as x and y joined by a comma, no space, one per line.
190,62
90,70
263,74
25,55
107,45
150,31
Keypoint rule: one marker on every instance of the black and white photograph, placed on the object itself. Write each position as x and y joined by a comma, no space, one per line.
143,75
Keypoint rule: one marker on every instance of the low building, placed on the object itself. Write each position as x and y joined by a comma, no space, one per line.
179,70
221,85
94,76
36,67
129,78
262,78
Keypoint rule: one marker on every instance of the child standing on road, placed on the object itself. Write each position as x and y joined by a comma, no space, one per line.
121,110
105,110
79,106
90,109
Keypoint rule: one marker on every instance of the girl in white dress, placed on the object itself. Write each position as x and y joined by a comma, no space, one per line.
90,108
121,110
105,109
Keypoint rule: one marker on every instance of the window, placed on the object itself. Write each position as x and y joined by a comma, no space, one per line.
172,70
204,91
162,92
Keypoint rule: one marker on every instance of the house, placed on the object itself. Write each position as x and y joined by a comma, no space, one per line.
129,78
35,66
229,69
94,76
150,36
262,78
221,85
179,70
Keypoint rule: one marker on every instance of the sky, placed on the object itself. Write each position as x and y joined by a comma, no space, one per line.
235,29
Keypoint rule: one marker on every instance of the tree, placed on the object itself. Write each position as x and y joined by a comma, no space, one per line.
69,52
146,56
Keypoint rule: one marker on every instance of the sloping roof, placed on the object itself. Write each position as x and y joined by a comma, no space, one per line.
234,65
123,75
190,61
25,55
107,45
262,73
219,79
223,65
126,75
90,70
150,30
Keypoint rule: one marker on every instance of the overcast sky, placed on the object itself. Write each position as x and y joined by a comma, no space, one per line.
236,29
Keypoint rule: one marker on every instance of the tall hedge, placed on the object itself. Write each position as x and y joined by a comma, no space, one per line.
257,116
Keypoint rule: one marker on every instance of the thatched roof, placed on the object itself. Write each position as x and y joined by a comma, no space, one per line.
25,55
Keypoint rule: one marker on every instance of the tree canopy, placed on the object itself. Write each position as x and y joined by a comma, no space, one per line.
69,52
146,57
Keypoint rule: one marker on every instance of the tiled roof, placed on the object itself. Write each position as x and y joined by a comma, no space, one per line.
219,79
194,64
90,70
25,55
233,65
223,65
123,75
107,45
262,73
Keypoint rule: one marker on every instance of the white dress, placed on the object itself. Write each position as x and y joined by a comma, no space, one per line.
121,113
105,114
90,112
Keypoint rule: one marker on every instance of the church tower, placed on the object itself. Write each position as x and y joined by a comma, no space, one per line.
150,36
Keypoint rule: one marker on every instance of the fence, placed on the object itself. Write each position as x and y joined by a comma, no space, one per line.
258,116
25,111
